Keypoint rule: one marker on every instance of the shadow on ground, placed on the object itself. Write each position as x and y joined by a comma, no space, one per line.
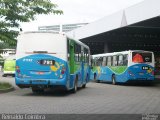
134,83
53,93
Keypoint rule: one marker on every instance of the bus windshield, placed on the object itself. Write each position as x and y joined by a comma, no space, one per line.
141,57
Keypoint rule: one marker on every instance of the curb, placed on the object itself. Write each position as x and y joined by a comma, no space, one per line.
7,90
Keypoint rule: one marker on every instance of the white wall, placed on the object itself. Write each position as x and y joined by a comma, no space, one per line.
139,12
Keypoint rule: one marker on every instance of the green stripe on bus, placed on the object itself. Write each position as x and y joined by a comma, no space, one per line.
118,69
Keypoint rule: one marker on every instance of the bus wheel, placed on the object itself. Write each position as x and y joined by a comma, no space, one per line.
4,75
113,80
37,90
97,81
74,90
95,77
84,85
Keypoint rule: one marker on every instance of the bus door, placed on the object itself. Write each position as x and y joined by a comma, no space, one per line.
85,65
71,58
71,63
82,66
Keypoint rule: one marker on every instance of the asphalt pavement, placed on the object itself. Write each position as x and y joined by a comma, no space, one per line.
96,98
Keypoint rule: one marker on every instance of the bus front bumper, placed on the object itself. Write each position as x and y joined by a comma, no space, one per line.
8,72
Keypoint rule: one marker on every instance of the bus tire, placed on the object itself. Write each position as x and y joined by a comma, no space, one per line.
113,80
4,75
37,90
97,81
74,90
84,85
95,77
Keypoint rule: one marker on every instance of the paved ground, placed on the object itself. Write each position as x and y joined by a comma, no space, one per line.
96,98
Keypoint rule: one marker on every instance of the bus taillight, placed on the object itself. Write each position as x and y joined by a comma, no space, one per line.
18,69
63,70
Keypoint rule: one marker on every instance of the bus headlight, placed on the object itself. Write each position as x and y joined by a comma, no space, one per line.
63,70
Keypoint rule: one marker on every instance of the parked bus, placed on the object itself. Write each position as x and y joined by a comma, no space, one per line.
50,60
122,67
9,66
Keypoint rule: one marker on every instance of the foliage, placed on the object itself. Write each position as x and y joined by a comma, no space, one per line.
12,12
5,85
4,45
1,61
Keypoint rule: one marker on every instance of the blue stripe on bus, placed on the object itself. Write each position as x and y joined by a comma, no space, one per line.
32,73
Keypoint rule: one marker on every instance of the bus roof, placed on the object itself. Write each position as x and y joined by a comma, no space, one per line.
115,53
79,42
53,32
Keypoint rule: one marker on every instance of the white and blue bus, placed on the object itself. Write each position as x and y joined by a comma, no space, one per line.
122,67
50,60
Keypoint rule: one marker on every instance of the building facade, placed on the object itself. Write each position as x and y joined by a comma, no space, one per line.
61,28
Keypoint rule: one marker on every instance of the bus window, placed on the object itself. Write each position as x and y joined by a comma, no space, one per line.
68,50
79,53
99,61
104,61
92,62
77,49
125,60
86,55
95,61
120,60
109,61
114,61
87,58
82,54
141,57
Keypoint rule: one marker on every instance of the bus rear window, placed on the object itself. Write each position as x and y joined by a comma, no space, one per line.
138,57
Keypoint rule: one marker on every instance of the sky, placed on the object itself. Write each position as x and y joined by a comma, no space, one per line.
79,11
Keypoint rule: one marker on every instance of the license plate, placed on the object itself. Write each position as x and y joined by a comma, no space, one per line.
145,68
39,81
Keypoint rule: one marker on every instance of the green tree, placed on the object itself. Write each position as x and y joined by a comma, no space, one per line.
13,12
